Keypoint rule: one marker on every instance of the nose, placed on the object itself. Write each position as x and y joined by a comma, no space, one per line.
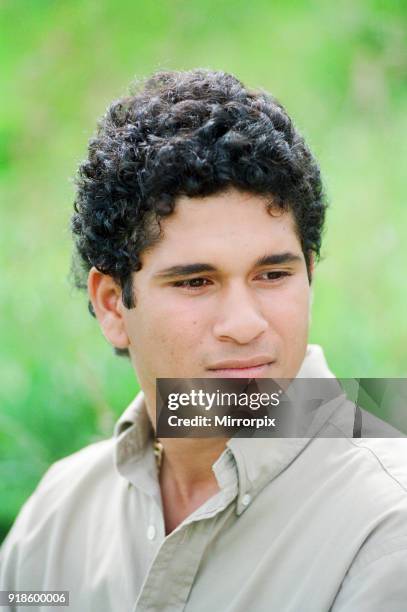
239,317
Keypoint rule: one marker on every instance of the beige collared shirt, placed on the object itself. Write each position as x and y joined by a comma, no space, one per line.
299,525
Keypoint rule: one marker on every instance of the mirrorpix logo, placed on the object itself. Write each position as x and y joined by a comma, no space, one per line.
194,407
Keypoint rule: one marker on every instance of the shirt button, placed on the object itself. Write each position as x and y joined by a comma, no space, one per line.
151,532
246,499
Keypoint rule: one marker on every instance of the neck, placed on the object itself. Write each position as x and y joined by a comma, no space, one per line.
186,477
186,461
189,462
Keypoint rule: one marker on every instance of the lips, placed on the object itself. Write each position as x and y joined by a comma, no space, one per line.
239,368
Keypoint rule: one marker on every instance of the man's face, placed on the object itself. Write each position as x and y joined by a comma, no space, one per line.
224,293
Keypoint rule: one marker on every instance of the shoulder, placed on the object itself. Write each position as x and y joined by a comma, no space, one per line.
377,458
83,465
385,456
87,469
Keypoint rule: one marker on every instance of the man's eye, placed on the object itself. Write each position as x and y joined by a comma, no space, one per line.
274,275
192,283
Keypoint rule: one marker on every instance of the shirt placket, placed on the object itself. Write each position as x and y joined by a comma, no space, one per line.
171,575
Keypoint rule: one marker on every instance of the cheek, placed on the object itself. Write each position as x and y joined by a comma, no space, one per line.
172,323
289,311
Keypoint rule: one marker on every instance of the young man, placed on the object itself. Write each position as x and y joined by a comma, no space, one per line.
197,222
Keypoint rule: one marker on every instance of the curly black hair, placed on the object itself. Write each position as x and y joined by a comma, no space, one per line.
192,133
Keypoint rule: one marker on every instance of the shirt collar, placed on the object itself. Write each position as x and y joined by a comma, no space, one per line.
134,455
256,460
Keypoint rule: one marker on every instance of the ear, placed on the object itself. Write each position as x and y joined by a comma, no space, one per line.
106,297
311,267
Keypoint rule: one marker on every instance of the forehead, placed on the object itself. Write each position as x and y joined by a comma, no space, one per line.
218,228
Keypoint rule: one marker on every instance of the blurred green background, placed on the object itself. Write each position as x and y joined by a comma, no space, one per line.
341,70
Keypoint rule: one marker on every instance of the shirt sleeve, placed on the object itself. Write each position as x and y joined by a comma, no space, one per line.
10,553
12,550
379,585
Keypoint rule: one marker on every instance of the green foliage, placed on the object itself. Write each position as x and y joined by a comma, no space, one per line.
341,70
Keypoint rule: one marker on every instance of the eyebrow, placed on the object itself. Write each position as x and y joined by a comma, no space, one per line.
277,258
199,268
186,269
